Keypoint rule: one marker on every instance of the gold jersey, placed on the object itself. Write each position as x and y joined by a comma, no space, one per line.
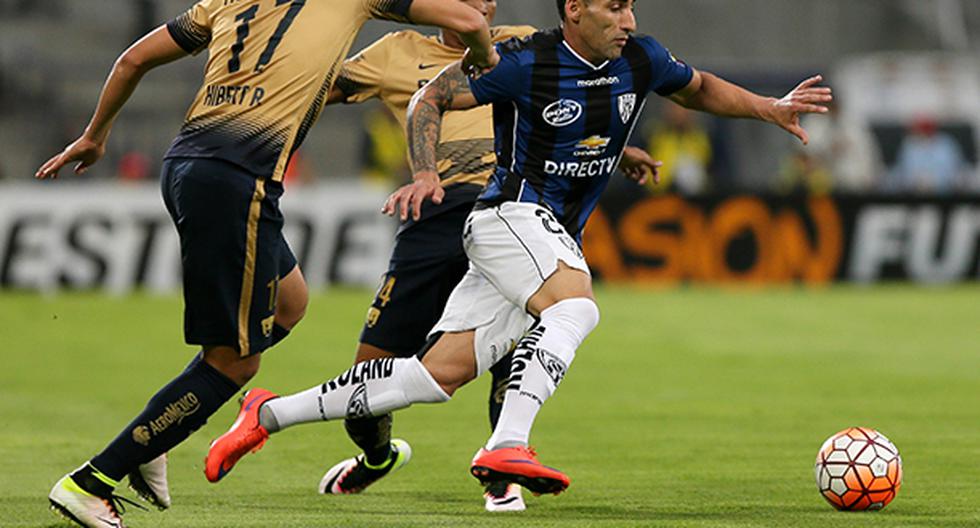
393,68
270,66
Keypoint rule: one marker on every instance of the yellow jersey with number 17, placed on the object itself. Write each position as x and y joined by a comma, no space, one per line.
270,66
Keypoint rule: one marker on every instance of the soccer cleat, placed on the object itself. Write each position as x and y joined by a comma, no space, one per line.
353,475
503,497
245,435
149,481
519,465
69,500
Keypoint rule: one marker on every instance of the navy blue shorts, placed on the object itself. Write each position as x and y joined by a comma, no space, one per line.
426,265
232,251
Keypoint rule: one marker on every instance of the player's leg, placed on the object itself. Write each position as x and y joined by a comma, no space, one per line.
426,263
226,253
379,386
149,481
567,314
534,263
292,296
381,455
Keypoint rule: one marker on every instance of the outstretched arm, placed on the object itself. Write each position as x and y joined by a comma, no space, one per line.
450,90
153,50
710,93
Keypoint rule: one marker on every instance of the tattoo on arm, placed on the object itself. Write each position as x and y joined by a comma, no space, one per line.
425,115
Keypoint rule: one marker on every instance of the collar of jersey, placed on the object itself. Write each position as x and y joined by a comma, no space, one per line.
583,59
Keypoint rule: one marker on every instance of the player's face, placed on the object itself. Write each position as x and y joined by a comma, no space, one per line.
606,25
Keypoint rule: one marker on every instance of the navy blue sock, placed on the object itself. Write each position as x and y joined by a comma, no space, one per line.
278,334
176,411
498,387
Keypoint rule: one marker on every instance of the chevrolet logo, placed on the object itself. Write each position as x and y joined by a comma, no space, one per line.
592,143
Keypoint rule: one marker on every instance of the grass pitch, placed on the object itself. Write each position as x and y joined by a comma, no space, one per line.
699,407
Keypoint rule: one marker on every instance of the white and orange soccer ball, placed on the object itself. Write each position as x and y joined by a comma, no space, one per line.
858,469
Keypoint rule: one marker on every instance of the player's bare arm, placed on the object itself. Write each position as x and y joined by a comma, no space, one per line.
710,93
450,90
155,49
469,23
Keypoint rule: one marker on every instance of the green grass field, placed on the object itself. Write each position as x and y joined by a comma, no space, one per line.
688,407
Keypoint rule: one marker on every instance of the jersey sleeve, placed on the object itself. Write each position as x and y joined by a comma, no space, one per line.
669,74
191,30
396,10
502,83
362,75
502,33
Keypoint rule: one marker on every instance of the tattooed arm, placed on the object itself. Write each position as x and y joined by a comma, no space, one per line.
450,90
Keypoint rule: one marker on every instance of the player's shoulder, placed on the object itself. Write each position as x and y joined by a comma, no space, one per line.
648,46
503,33
537,41
403,37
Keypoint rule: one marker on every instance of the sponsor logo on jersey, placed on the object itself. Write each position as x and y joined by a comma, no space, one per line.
601,81
591,146
627,103
580,169
562,112
427,66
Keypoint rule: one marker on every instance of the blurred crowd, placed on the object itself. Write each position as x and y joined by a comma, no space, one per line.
848,153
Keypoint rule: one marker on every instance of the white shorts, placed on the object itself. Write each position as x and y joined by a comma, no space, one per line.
513,249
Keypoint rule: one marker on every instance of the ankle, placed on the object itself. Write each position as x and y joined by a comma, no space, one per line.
94,481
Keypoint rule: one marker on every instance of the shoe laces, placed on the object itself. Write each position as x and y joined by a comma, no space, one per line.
117,504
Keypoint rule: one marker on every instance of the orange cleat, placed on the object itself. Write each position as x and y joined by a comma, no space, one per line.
519,465
246,435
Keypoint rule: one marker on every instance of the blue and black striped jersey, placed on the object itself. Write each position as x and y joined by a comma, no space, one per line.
561,123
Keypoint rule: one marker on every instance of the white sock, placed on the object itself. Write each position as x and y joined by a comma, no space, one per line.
540,361
371,388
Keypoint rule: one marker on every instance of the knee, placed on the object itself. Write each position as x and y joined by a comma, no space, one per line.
288,316
580,313
449,378
228,362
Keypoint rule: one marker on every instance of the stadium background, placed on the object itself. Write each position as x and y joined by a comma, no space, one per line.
734,387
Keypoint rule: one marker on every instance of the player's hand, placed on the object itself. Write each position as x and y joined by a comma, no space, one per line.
409,197
807,98
85,151
638,166
476,63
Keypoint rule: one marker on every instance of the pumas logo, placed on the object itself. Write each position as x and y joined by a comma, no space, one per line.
552,365
562,112
627,103
592,146
357,406
141,435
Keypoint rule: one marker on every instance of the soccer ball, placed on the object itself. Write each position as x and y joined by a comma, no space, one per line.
858,469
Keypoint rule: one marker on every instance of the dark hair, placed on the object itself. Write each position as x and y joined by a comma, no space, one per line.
561,8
